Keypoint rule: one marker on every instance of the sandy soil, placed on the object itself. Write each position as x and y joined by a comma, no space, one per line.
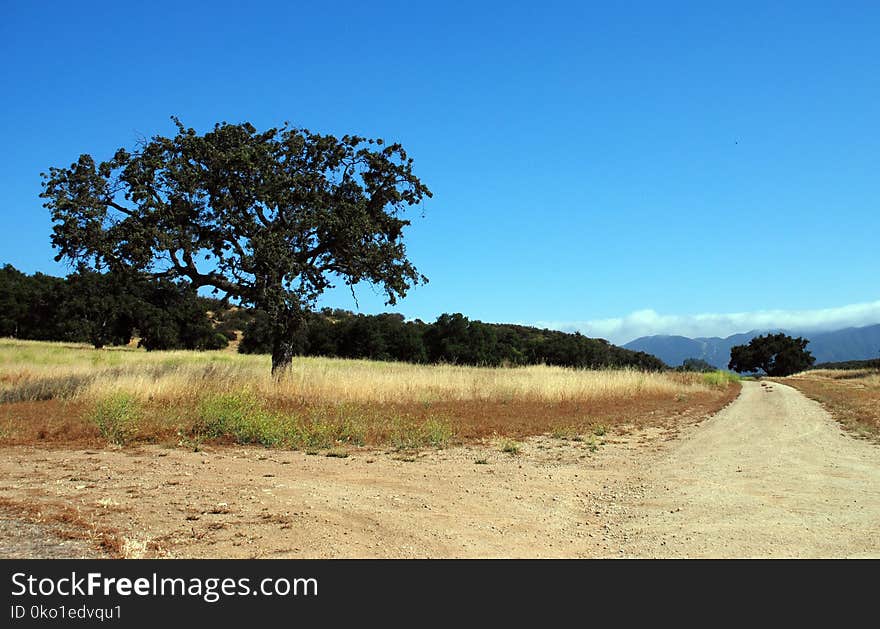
771,475
250,502
21,539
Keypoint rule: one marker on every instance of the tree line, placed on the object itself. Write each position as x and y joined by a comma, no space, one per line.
112,309
870,363
106,309
452,338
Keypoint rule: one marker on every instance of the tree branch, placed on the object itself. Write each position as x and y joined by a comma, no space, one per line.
122,209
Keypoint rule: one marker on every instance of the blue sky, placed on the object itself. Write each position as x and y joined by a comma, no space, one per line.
589,161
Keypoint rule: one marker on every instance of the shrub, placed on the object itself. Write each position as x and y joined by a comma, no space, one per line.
437,433
565,433
408,434
720,378
510,447
241,417
316,435
695,364
117,417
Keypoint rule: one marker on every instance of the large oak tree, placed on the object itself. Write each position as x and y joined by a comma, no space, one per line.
270,218
774,354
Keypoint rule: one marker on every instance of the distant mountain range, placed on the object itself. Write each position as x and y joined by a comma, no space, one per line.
847,344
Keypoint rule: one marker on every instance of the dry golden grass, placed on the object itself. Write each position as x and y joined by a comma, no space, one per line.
851,396
324,401
92,374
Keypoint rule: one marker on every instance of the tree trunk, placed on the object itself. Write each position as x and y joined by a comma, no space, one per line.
288,339
282,356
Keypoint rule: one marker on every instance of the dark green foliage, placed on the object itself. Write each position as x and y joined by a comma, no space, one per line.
265,218
105,309
257,335
98,308
30,304
404,340
695,364
774,354
109,309
453,338
322,336
172,316
16,294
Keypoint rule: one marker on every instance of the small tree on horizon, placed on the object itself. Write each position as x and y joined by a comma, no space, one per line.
269,218
695,364
774,354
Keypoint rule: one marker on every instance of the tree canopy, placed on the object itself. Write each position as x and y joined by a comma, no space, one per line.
774,354
268,218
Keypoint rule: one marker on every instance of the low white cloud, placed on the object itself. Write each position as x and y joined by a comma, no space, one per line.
648,322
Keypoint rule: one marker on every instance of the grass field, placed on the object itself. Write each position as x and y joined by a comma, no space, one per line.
73,394
851,396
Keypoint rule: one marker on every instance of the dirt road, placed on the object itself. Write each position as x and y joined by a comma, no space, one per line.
772,475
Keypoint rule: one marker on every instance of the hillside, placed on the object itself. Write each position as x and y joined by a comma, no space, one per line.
861,343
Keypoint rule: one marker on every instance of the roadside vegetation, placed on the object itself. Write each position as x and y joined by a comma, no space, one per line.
70,393
720,378
851,396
